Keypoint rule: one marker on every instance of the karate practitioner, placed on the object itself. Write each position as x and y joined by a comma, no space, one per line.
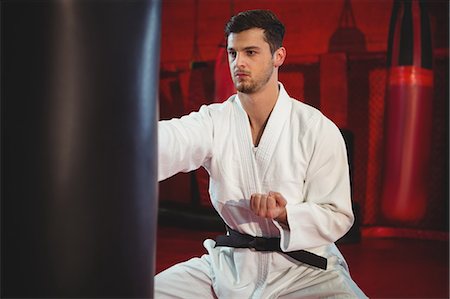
279,179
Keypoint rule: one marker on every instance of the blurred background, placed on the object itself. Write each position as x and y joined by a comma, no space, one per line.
336,61
381,74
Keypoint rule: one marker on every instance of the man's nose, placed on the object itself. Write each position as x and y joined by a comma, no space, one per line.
240,60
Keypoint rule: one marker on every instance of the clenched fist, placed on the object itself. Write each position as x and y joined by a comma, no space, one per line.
271,205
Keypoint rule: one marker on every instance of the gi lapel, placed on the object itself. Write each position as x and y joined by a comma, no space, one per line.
272,132
250,171
255,165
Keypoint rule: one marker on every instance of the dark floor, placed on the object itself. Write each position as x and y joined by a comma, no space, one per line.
383,268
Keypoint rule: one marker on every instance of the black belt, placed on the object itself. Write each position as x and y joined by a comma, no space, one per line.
237,240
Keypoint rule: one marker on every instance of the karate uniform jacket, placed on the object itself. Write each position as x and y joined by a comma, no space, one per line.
301,155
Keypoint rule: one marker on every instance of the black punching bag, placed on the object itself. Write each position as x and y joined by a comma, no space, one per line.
78,148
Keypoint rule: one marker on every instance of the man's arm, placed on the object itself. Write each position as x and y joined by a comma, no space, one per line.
184,144
324,214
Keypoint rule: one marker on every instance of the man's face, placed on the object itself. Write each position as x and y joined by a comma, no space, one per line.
250,60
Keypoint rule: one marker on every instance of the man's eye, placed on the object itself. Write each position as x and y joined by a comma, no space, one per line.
251,53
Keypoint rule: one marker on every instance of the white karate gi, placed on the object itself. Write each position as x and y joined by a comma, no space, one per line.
302,155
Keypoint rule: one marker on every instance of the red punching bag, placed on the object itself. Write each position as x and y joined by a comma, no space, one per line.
408,119
224,86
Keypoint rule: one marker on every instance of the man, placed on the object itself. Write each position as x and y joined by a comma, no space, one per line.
278,177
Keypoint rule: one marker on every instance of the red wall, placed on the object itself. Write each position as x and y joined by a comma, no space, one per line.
193,29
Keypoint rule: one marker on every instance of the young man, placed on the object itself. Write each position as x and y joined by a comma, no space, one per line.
279,178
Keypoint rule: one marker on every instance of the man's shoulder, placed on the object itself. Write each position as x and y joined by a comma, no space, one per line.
215,108
305,112
300,106
310,117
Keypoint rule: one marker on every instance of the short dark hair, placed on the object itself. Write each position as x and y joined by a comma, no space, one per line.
258,18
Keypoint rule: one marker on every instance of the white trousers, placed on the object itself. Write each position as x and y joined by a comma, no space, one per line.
234,273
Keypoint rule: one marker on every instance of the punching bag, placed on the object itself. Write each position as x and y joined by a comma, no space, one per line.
408,120
223,84
79,112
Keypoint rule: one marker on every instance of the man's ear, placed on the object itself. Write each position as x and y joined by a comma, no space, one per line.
279,56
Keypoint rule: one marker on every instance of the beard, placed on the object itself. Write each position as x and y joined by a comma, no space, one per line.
250,85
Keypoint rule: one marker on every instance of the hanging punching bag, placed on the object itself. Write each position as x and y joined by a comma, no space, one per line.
223,84
79,92
408,120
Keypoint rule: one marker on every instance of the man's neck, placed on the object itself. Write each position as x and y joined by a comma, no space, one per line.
258,107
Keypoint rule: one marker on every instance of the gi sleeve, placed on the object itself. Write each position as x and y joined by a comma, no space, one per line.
184,143
325,214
